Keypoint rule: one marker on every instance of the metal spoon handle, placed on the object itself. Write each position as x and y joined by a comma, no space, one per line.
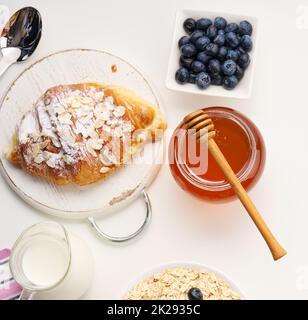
9,56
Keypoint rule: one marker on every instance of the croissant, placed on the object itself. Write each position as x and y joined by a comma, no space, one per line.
81,133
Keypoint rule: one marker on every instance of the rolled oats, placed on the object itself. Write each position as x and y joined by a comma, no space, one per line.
174,284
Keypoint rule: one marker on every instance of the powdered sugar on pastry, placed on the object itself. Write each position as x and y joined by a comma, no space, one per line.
76,124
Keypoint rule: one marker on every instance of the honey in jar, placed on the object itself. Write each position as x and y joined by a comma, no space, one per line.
195,170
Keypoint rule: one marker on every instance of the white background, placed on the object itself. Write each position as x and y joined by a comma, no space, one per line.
184,228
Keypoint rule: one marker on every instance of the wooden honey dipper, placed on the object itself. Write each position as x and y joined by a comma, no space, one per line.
201,125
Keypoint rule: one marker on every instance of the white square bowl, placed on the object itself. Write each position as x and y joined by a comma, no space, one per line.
242,90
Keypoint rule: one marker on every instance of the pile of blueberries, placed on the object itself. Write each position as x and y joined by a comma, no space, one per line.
214,52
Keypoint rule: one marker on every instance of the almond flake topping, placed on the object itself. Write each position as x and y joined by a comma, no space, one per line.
98,123
119,111
65,118
79,123
104,170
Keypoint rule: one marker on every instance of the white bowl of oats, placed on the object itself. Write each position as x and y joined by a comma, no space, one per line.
183,281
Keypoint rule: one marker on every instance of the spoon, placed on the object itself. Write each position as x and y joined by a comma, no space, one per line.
202,126
20,37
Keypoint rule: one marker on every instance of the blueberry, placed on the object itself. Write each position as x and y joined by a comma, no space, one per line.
231,27
220,23
246,42
203,24
232,55
189,25
203,57
228,67
220,39
192,78
188,50
214,67
184,40
195,294
244,60
203,80
182,75
202,42
212,49
197,66
195,36
220,31
222,53
229,82
245,27
241,50
211,32
186,62
232,40
217,80
239,73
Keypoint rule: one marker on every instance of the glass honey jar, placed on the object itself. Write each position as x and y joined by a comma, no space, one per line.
195,170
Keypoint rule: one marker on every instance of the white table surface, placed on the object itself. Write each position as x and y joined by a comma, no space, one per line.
184,228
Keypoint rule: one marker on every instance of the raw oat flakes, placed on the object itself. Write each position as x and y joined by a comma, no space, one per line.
174,284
